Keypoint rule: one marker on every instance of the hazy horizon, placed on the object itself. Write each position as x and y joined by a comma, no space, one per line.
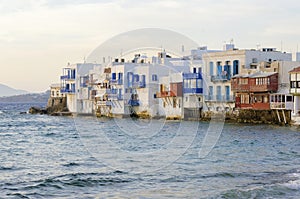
39,37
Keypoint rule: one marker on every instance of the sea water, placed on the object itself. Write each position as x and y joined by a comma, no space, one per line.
83,157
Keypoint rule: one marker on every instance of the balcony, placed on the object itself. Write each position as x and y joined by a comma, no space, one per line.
116,81
220,78
83,85
134,102
240,87
220,98
264,87
164,94
113,96
193,90
104,103
139,84
67,77
67,90
192,76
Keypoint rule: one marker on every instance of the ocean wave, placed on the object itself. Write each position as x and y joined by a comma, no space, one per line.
68,180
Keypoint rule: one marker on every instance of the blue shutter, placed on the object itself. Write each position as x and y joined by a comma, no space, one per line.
227,91
143,80
219,70
113,76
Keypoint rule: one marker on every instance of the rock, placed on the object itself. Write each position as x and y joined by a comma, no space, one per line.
37,110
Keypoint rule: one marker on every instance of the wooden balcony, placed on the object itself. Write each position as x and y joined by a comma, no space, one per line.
164,94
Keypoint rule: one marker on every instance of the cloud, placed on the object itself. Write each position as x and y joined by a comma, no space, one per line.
65,30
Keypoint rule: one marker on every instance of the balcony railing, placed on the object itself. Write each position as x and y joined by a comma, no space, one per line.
193,90
163,94
220,98
115,96
192,76
104,103
83,85
220,78
139,84
67,77
116,81
278,105
134,102
65,90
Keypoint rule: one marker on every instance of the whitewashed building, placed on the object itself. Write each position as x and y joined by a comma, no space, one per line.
219,67
71,86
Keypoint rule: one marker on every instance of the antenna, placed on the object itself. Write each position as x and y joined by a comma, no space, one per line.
257,46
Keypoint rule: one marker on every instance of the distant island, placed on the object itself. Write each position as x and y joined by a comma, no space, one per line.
27,98
8,91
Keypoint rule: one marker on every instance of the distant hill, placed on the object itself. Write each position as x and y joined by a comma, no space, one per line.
28,98
8,91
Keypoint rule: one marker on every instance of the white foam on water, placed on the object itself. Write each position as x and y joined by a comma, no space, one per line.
295,183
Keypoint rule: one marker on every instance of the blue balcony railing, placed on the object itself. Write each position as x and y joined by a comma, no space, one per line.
192,76
116,81
67,77
220,78
66,90
134,102
193,90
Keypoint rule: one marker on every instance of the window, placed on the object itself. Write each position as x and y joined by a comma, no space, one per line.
174,102
211,68
113,76
219,93
211,92
289,98
235,67
154,77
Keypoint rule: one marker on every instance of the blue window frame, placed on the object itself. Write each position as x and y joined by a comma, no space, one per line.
154,77
211,92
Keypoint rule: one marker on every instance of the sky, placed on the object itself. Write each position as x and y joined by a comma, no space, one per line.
39,37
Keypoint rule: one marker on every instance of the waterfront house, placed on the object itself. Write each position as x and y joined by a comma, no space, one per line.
294,76
170,96
253,91
70,85
220,67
